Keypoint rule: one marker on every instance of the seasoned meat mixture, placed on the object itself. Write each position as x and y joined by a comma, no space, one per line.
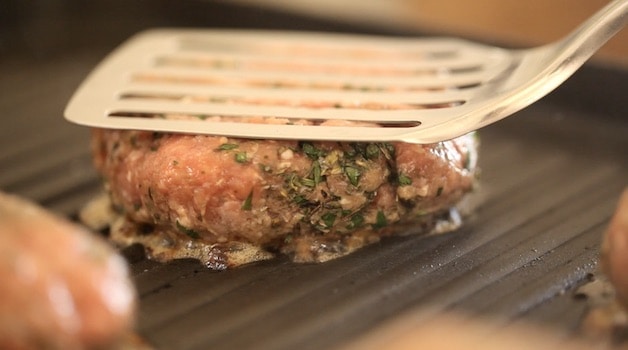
310,200
62,287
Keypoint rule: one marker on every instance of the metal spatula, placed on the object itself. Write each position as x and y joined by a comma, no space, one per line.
318,86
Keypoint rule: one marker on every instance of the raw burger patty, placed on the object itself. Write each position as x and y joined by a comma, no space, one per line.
219,189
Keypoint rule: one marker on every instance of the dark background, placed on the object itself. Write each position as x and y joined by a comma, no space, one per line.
43,28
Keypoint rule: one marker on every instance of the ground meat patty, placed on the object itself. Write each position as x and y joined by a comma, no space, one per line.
62,287
270,193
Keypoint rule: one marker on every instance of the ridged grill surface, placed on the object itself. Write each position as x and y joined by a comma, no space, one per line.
550,180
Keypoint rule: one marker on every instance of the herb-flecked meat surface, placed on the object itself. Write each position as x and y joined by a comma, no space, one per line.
270,193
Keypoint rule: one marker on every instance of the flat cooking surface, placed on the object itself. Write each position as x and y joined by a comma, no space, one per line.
551,177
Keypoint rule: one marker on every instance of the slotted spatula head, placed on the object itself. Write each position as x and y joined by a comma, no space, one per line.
269,84
323,86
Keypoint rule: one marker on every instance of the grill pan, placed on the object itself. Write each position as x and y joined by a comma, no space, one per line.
551,177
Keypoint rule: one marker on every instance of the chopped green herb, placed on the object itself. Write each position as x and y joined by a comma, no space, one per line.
293,181
404,180
227,146
316,172
175,162
353,174
364,150
248,202
372,151
351,152
328,219
311,151
380,220
137,206
188,231
421,213
202,116
390,148
357,220
299,199
241,157
308,182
